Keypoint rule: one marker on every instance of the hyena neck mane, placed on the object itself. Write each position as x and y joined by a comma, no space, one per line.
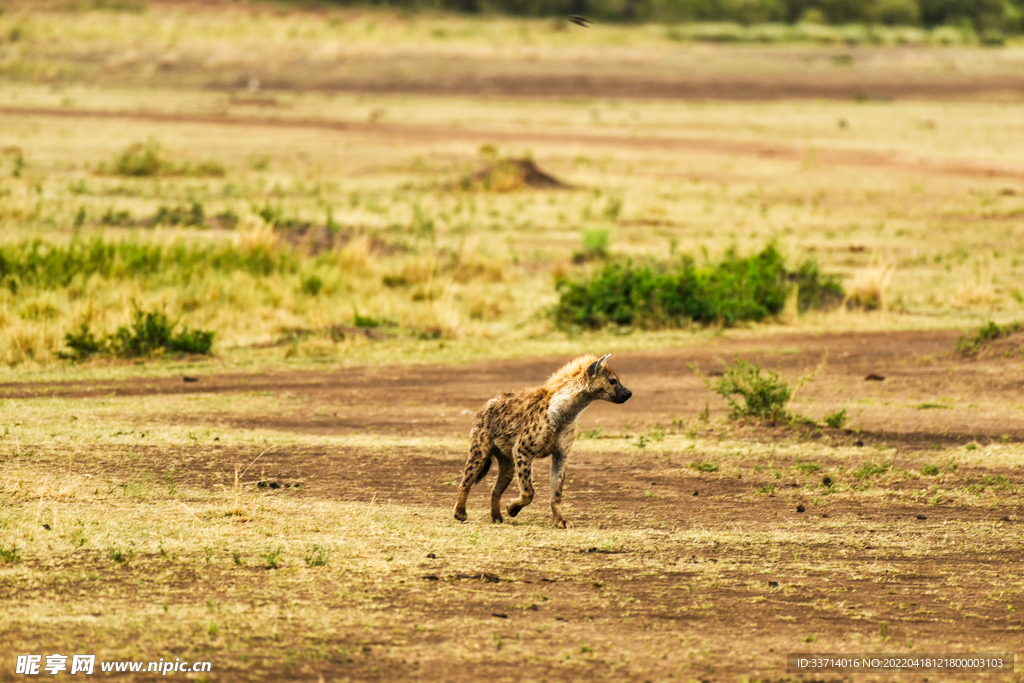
569,391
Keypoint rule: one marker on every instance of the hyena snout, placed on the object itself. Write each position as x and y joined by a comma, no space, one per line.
621,394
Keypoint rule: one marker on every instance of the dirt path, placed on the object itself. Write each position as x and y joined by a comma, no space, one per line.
928,396
396,131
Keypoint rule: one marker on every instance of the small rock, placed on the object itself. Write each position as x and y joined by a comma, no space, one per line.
186,378
874,378
696,493
827,481
773,584
921,517
431,577
1001,519
432,556
824,515
499,615
800,508
859,443
47,526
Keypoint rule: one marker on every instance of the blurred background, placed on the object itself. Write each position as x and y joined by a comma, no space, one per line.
317,180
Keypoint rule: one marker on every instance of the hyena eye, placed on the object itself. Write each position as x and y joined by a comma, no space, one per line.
613,381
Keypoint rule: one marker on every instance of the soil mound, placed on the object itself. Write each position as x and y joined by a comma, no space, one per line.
508,175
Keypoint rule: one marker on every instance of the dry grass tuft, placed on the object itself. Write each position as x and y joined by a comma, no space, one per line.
869,286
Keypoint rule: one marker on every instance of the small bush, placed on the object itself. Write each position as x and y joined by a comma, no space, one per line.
150,160
192,216
595,245
971,344
272,558
151,333
837,419
11,555
930,470
312,285
764,396
657,295
318,557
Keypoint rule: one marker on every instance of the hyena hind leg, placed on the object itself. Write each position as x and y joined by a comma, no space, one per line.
506,472
477,465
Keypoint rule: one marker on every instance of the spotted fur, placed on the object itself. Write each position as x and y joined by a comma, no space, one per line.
518,427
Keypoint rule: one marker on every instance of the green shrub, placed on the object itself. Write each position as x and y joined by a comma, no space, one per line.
764,396
181,215
150,160
837,419
312,285
657,295
704,466
971,344
151,333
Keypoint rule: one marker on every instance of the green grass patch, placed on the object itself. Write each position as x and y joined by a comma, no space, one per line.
704,466
54,266
870,469
653,296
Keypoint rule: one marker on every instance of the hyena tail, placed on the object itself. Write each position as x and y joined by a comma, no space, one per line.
484,470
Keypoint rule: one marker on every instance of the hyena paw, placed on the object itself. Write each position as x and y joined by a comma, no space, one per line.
460,515
513,509
497,519
562,524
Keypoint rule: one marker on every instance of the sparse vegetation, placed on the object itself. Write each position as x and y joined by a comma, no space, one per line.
972,344
150,159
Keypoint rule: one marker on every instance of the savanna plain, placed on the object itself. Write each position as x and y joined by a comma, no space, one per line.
260,266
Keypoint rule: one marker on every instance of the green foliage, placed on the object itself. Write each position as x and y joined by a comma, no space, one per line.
318,557
272,558
312,285
869,469
150,160
192,216
595,245
151,333
837,419
118,556
704,466
971,344
930,470
10,555
806,467
657,295
53,266
979,14
764,393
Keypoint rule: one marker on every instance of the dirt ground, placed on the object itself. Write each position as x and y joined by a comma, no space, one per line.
881,568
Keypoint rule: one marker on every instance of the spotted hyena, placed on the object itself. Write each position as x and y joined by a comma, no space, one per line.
517,427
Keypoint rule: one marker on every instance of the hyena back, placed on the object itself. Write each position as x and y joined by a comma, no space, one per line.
518,427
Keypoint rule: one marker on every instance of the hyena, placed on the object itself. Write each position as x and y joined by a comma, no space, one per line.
518,427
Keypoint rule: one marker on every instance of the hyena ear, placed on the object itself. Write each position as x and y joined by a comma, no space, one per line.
596,366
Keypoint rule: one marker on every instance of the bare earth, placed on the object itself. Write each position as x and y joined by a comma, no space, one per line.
744,607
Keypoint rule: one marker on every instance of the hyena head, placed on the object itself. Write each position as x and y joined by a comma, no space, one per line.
604,384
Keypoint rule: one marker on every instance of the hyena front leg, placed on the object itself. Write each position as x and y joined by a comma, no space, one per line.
476,468
558,461
524,461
